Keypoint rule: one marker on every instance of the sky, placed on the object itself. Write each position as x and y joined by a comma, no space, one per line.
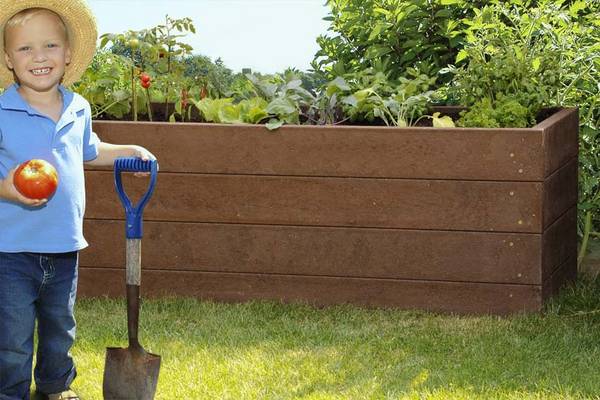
265,35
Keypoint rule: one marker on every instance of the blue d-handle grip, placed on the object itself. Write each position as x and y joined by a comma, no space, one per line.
133,214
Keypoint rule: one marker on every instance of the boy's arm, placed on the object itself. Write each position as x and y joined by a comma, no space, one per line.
107,153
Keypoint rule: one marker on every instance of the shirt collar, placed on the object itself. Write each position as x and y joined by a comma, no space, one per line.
11,99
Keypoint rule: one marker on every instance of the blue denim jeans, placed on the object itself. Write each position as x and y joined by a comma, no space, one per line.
43,287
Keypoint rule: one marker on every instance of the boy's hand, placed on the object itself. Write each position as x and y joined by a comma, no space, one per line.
145,155
9,192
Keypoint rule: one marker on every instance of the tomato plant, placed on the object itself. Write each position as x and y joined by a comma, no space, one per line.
105,85
158,50
36,179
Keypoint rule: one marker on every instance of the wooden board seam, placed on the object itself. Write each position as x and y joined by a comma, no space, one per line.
266,275
321,226
374,178
560,167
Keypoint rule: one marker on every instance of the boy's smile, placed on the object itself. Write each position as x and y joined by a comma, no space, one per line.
40,71
38,52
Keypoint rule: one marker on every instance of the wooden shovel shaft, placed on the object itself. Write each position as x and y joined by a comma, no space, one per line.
134,271
133,264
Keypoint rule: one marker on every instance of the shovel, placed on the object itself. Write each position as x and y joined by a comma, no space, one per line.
132,373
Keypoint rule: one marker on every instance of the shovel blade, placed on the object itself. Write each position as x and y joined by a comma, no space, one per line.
130,374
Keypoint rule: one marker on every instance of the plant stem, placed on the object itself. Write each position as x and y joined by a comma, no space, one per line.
133,96
102,110
584,241
565,92
169,49
149,104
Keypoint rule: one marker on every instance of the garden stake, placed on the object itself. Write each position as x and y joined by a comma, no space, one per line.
132,373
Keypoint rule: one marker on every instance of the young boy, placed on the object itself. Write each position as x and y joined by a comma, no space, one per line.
44,48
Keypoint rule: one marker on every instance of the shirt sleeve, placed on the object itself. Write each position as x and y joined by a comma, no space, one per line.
90,139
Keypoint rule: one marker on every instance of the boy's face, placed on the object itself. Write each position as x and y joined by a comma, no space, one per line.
38,51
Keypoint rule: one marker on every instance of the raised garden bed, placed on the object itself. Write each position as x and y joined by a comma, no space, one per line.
454,220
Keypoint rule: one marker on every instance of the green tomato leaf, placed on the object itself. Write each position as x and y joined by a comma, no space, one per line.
120,95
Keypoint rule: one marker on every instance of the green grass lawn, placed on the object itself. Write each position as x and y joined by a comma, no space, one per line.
266,350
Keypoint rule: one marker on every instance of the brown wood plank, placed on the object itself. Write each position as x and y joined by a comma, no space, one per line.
356,202
560,138
388,152
559,242
345,252
560,192
565,274
464,298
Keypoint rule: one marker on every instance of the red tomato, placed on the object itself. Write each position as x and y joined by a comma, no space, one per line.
144,77
36,179
146,85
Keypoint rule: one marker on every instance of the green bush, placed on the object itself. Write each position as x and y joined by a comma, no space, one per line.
517,60
396,34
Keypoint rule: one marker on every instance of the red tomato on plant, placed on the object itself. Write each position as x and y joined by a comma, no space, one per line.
36,179
144,77
146,85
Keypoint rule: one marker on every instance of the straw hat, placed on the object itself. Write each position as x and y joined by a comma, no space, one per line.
81,28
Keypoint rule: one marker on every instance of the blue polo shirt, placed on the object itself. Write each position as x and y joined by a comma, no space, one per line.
25,133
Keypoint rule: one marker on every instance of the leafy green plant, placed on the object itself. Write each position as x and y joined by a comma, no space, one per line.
327,105
512,64
401,102
105,85
518,55
156,51
213,78
281,99
503,112
398,103
251,111
401,33
285,96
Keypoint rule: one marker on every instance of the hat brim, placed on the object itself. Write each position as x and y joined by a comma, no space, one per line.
81,28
